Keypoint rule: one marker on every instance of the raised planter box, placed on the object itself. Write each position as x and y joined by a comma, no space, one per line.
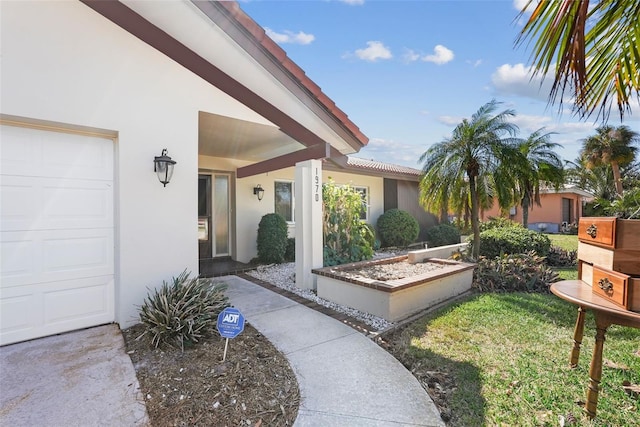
395,299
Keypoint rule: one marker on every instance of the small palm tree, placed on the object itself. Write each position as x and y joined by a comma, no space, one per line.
597,180
593,47
538,165
471,158
612,146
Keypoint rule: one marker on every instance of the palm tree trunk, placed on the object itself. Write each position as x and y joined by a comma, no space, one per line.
617,179
475,223
525,212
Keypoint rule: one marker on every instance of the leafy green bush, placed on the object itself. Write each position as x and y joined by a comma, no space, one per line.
346,236
290,253
184,311
525,272
442,235
512,240
369,233
498,222
272,238
397,228
558,257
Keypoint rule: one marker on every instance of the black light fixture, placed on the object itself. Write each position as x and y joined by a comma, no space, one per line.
258,191
163,166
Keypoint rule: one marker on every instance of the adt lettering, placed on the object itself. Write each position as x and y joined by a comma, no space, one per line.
230,318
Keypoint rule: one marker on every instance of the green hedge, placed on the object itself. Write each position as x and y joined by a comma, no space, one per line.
442,235
512,240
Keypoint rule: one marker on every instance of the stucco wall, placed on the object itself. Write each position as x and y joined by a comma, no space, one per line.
63,62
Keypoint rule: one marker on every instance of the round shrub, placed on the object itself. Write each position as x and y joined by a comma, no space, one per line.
512,240
272,238
182,312
397,228
442,235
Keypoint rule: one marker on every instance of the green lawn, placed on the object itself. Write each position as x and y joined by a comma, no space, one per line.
564,241
508,356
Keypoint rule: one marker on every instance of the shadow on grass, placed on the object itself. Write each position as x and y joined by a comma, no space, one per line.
542,307
454,386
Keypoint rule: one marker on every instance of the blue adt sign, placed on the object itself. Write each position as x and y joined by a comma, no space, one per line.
230,323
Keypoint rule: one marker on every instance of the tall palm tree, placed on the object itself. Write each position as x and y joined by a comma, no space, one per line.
538,165
613,146
471,157
593,47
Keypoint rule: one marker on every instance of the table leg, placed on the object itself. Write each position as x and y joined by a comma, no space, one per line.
578,333
595,371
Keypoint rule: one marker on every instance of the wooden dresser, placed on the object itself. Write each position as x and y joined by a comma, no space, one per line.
609,286
609,259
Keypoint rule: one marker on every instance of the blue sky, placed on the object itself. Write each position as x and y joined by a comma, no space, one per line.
406,72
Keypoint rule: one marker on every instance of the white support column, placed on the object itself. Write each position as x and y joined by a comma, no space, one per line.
308,212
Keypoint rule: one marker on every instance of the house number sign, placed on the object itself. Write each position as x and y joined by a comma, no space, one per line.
316,183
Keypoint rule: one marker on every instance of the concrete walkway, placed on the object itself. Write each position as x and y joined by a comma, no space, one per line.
81,378
345,379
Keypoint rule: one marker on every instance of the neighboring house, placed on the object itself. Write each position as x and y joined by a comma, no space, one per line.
92,91
557,209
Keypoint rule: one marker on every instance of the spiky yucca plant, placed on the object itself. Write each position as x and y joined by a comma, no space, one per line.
183,311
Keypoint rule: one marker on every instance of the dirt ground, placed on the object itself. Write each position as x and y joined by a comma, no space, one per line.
254,386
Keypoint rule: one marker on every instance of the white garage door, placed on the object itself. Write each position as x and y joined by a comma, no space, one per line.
56,232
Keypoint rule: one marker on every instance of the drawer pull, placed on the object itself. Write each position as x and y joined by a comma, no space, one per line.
592,231
605,284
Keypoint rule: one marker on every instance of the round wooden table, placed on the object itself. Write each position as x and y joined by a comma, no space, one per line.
606,314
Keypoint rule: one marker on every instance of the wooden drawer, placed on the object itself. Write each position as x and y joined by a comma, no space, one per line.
610,232
620,289
627,262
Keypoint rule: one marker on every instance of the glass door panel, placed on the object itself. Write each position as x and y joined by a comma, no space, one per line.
221,214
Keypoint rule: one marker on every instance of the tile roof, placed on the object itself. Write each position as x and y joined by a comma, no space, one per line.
371,165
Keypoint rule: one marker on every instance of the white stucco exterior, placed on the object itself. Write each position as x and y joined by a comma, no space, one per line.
66,67
64,64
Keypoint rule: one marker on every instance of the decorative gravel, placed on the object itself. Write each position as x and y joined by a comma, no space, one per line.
283,276
391,271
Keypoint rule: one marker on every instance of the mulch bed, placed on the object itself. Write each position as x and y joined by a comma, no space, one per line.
254,386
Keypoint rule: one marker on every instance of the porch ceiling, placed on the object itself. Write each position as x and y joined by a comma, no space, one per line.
226,137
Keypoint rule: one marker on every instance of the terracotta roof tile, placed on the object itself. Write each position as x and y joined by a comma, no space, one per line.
372,165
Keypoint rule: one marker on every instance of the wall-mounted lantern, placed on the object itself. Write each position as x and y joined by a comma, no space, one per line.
258,191
163,166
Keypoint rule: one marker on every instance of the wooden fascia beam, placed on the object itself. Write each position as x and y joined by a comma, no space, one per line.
318,151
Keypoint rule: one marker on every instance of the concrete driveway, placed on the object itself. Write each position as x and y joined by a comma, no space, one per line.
81,378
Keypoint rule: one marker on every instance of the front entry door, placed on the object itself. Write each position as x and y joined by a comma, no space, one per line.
213,215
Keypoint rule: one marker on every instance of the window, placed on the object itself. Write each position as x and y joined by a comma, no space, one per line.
284,200
364,193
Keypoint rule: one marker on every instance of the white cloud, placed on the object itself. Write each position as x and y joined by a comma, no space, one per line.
516,80
410,55
374,51
290,37
390,151
441,55
353,2
475,64
450,120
